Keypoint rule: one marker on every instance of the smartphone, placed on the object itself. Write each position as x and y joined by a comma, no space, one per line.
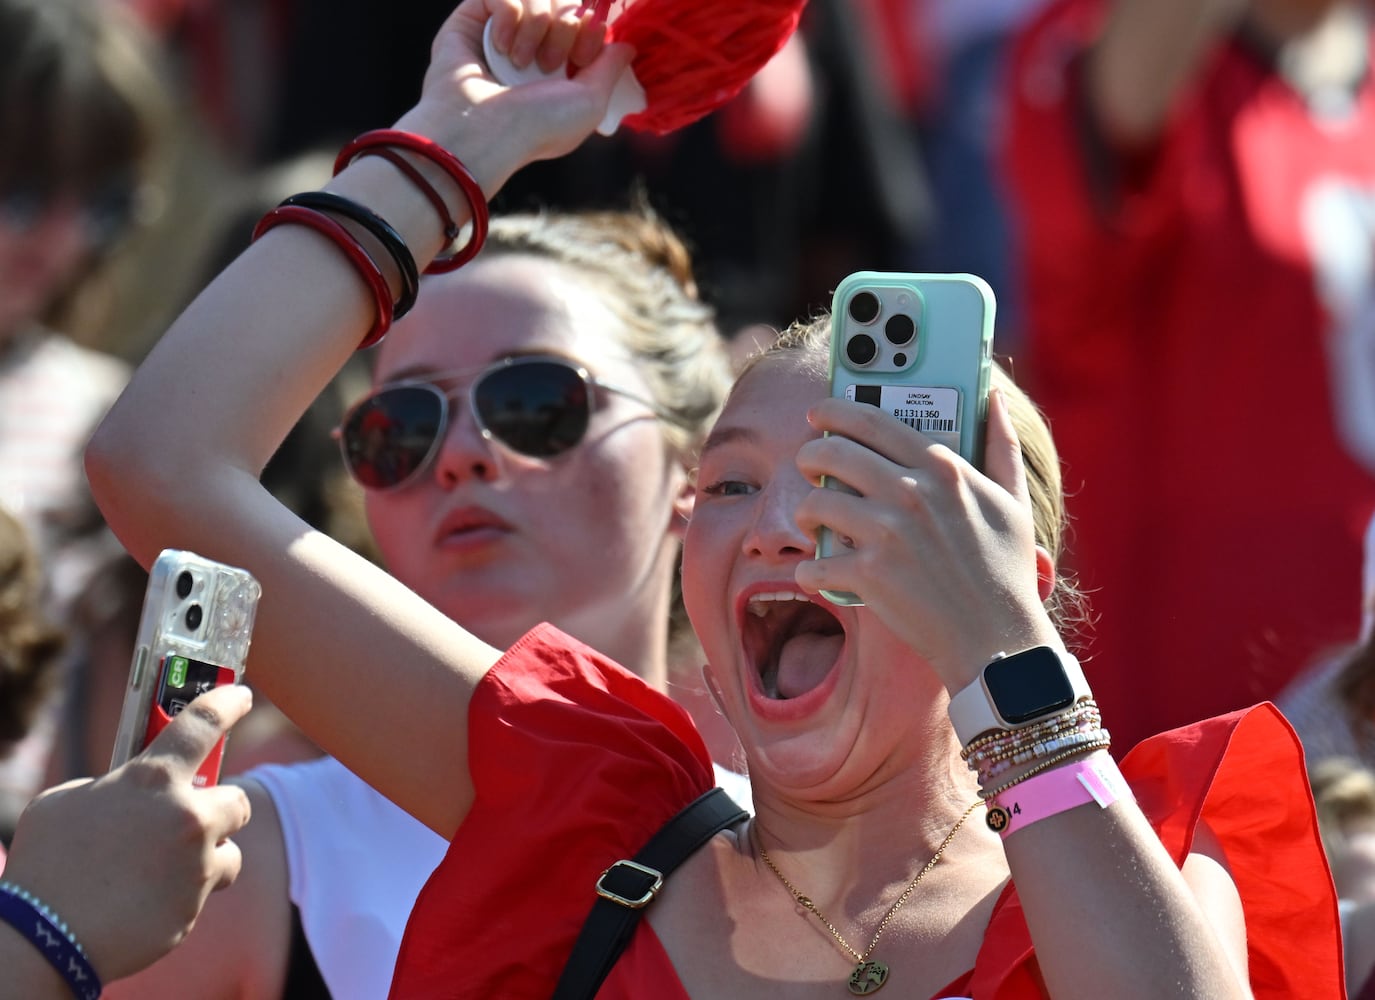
919,346
193,636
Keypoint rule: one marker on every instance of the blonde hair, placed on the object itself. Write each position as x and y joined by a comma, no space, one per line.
1344,799
808,343
644,272
29,645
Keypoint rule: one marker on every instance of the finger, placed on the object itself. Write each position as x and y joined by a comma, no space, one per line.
190,737
1003,451
872,427
847,462
226,863
850,517
841,572
505,16
557,47
603,72
591,38
535,22
225,810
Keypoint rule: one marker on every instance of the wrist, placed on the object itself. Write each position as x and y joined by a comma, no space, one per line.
1048,791
490,152
50,937
1017,690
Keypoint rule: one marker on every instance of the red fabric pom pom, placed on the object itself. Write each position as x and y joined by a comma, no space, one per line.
692,56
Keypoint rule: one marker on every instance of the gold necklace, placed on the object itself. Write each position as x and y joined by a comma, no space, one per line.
867,976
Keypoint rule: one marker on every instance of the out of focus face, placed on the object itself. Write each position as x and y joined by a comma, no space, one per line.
501,540
45,239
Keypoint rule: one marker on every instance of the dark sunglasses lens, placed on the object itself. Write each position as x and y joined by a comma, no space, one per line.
389,436
538,408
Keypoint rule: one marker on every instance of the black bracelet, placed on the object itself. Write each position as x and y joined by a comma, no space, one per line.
380,228
45,931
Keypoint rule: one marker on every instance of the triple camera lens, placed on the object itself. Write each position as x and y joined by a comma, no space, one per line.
899,330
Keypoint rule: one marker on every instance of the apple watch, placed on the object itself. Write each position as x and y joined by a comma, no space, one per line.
1017,690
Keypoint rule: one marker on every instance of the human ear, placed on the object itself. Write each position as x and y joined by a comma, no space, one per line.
1045,573
682,505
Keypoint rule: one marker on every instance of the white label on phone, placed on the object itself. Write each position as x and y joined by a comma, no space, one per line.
933,410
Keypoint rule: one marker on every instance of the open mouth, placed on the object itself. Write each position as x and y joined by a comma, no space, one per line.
792,641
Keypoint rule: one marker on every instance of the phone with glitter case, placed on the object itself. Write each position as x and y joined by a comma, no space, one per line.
193,635
919,346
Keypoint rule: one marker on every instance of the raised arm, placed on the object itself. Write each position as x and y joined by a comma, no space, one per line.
371,672
1147,53
1109,912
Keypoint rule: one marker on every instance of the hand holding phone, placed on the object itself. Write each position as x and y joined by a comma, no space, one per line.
193,636
920,347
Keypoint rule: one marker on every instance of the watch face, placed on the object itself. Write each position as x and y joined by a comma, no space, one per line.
1026,686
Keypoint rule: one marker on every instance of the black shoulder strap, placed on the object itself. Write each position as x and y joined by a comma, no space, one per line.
627,887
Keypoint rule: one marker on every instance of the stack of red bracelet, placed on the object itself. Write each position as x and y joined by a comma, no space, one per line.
316,210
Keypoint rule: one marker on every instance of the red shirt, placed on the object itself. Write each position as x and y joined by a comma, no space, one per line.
577,763
1201,334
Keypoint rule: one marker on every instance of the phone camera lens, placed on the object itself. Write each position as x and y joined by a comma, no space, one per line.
899,329
900,360
184,584
193,617
864,307
861,349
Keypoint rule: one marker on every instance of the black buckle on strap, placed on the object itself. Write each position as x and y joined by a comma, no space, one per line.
630,884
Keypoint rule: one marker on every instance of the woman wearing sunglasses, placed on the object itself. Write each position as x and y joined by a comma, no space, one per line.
523,454
874,855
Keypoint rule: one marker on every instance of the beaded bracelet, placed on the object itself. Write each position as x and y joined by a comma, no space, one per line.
374,142
1045,765
30,917
1090,737
1085,708
1019,739
381,230
357,255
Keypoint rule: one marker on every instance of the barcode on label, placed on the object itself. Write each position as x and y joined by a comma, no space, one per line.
928,425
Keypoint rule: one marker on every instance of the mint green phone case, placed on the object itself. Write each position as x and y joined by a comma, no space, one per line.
936,380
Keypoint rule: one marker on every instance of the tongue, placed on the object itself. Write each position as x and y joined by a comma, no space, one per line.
804,661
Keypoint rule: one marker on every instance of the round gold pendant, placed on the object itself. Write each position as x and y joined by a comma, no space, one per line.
867,978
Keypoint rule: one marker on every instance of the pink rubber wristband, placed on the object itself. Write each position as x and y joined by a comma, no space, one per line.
1094,778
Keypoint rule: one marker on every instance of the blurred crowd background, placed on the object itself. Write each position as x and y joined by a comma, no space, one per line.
1192,298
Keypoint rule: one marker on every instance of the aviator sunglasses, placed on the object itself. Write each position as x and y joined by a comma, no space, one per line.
537,406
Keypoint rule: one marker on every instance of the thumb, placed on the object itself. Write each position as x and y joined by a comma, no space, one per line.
1003,450
604,72
190,737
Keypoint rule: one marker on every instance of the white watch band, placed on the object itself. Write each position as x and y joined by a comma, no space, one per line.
973,712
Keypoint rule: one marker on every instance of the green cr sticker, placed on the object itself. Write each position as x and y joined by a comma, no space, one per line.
176,671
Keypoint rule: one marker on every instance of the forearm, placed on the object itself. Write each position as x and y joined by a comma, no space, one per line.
1148,52
1111,915
176,464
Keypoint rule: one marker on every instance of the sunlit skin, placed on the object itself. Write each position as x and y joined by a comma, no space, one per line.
861,731
566,535
855,782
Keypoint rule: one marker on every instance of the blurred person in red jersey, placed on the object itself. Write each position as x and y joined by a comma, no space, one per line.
1194,184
